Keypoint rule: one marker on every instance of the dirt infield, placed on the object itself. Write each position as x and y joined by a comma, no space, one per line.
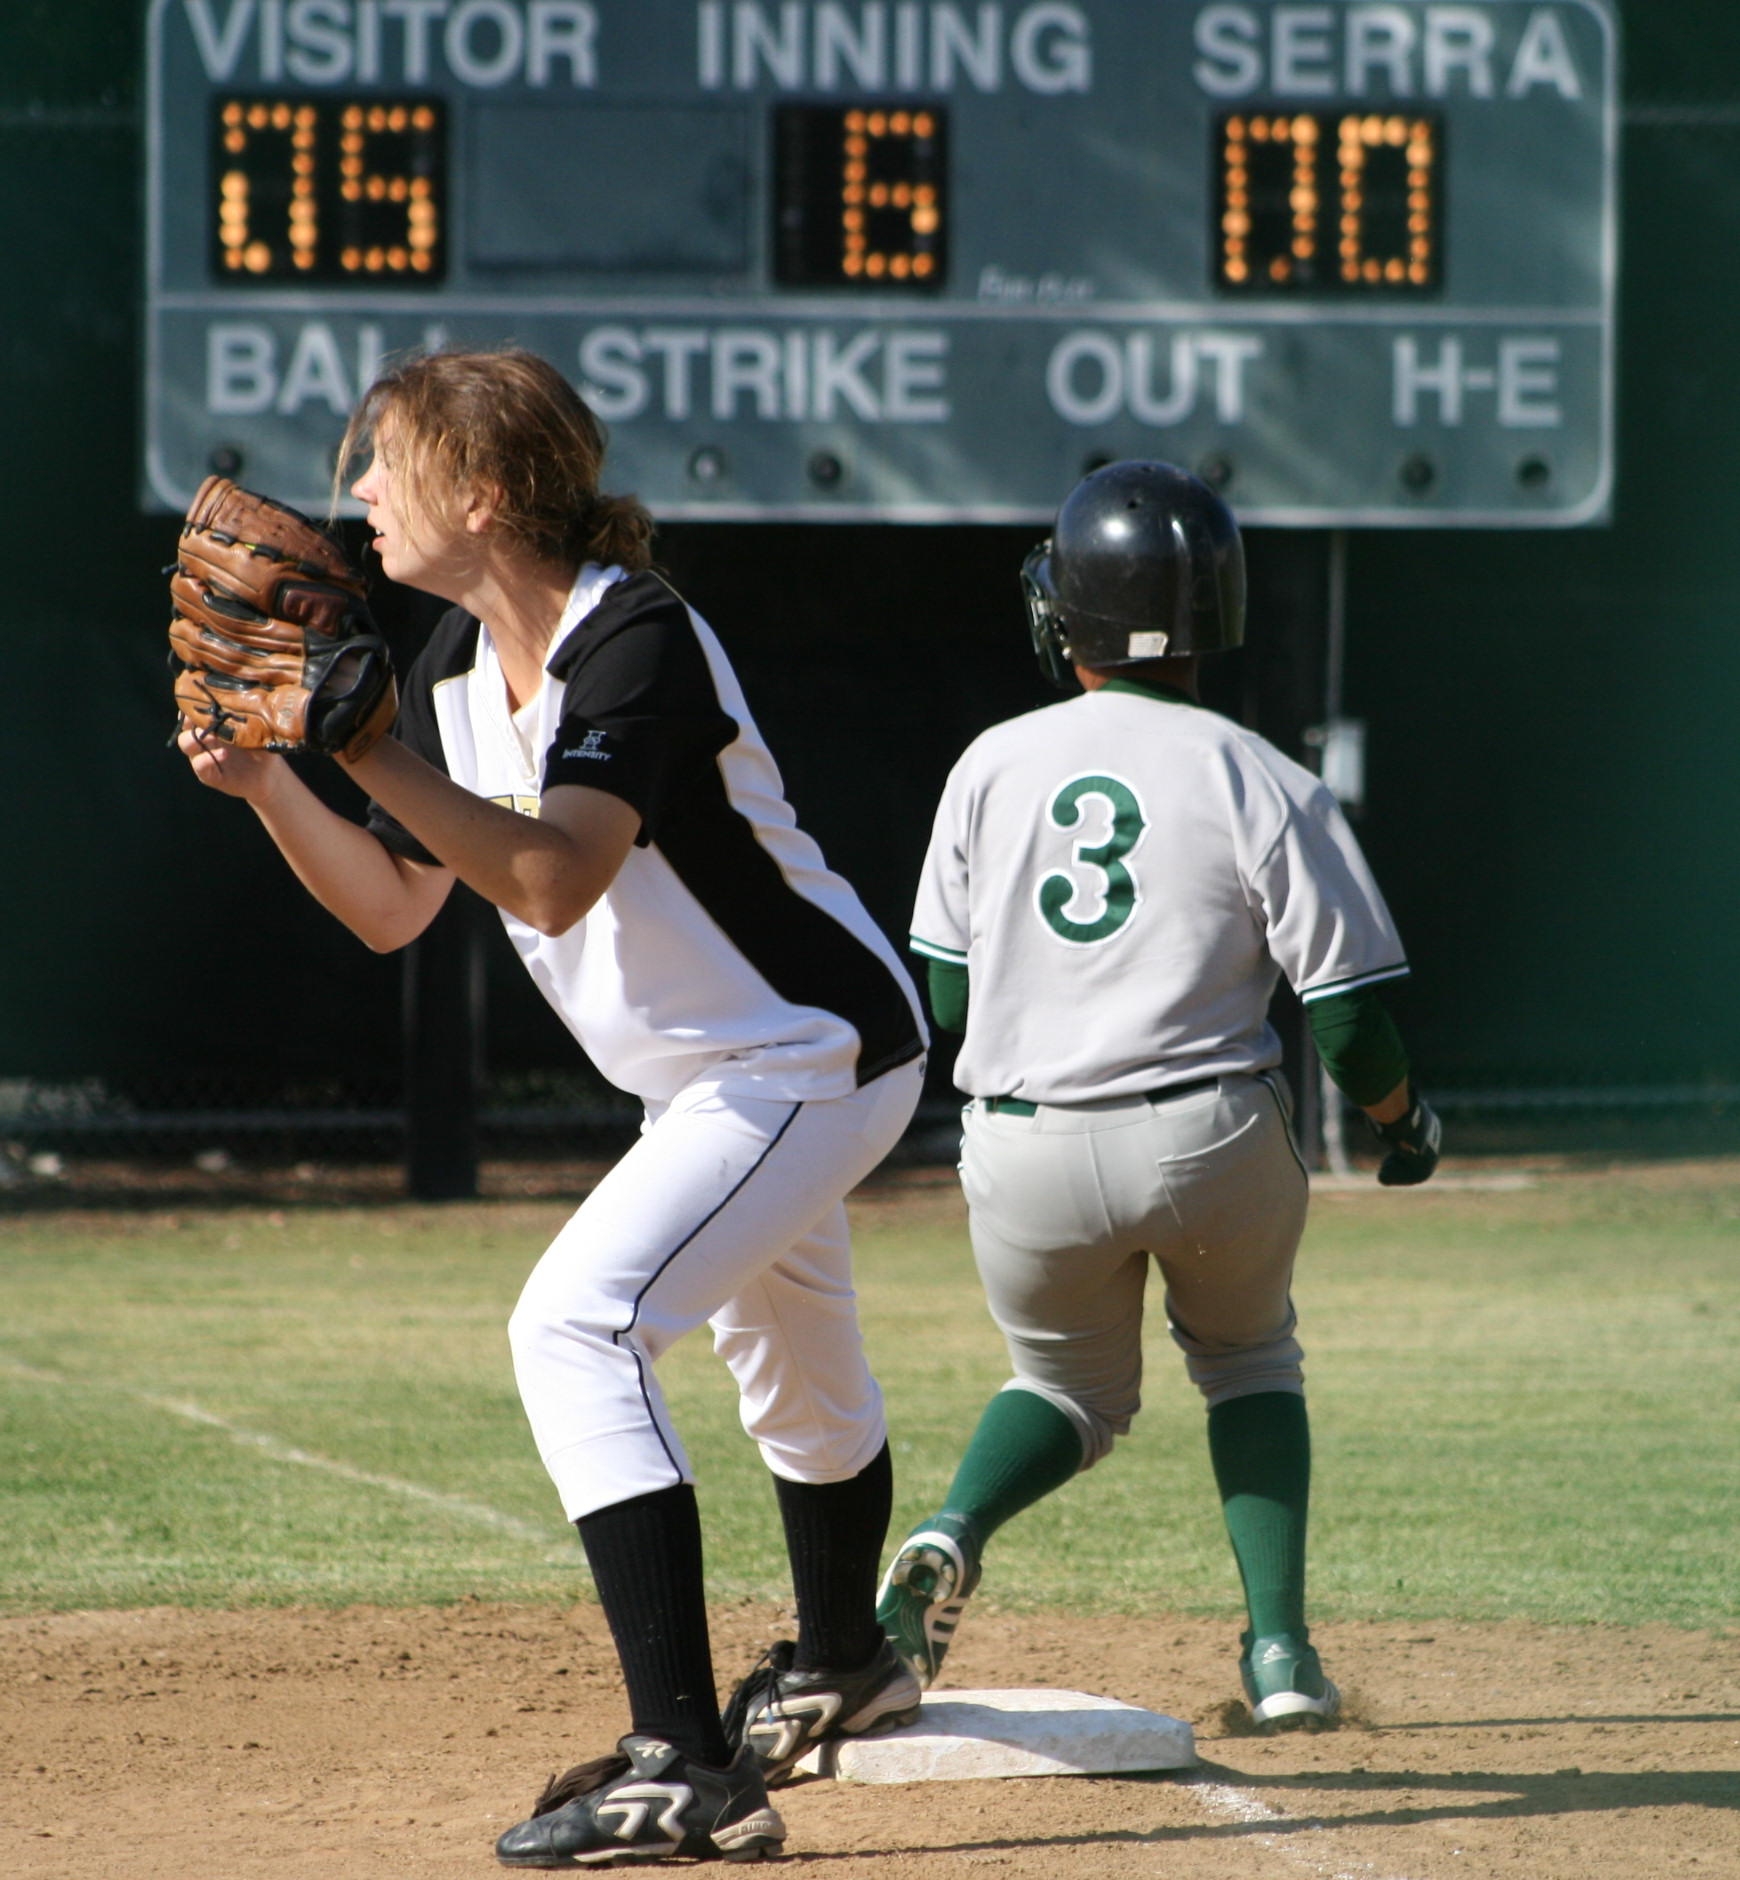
363,1744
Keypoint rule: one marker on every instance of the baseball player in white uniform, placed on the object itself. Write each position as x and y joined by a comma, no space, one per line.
574,746
1112,888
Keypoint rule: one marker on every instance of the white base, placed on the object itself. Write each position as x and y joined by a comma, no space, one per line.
964,1736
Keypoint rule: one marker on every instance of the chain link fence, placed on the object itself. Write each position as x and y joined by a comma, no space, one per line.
527,1125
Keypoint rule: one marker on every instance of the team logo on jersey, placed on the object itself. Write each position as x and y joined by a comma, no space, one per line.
592,745
521,805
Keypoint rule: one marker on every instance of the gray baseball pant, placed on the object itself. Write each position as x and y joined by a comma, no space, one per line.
1067,1207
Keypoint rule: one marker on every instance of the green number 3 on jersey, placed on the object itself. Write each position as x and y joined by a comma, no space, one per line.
1096,867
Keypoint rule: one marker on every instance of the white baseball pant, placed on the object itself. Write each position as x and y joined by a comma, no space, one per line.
728,1209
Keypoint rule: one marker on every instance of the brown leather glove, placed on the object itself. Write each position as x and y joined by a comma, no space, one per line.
272,644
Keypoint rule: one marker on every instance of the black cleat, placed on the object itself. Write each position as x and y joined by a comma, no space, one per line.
647,1802
778,1714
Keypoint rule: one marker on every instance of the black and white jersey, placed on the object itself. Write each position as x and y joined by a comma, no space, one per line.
725,951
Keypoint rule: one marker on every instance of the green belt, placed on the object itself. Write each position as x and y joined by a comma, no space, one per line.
1019,1106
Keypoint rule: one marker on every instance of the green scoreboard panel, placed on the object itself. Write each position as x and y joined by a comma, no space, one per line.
908,260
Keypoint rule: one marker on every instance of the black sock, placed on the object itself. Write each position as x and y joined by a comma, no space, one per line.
834,1533
645,1556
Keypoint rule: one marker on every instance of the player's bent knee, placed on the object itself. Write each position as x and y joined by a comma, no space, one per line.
531,1322
1098,1427
840,1459
1222,1376
808,1435
538,1337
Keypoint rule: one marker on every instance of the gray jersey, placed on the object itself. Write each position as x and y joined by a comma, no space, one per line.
1125,876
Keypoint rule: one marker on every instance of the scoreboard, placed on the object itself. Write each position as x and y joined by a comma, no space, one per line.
907,260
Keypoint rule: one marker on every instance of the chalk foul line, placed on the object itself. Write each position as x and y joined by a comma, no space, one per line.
277,1450
1227,1803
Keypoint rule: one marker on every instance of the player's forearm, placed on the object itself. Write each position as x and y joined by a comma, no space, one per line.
1362,1051
384,902
530,867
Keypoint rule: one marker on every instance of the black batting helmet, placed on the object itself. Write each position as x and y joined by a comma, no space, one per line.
1143,562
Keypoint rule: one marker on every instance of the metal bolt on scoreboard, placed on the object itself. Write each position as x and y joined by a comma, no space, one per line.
908,260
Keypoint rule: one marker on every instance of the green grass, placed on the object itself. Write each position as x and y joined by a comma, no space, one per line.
1525,1405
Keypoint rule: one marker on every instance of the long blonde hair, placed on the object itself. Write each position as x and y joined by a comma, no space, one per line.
506,421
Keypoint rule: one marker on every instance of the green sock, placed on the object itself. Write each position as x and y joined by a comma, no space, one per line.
1261,1450
1023,1448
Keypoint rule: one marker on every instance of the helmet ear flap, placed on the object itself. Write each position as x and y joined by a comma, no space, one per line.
1050,640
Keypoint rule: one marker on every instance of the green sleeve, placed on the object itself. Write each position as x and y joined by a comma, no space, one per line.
948,994
1359,1044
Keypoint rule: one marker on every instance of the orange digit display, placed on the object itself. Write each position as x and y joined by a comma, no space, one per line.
861,196
329,191
1329,204
390,219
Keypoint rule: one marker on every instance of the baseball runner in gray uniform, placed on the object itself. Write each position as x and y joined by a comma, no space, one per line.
1113,886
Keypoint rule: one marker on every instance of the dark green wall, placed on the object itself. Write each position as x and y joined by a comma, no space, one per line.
1554,770
1552,790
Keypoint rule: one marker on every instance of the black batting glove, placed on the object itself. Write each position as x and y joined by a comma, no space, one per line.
1414,1140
